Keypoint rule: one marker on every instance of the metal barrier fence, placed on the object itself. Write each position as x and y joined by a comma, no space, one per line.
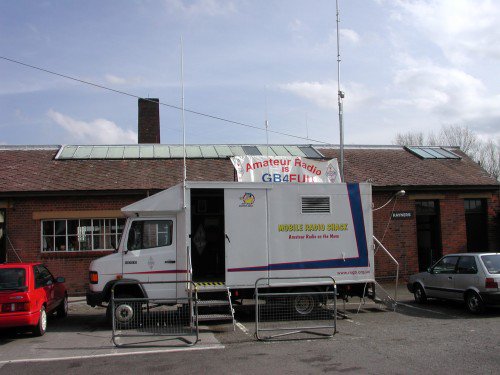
304,311
149,321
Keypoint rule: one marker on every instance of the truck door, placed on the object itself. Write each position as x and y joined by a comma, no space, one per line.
151,255
246,236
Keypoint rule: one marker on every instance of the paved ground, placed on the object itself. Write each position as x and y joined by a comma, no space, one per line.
439,337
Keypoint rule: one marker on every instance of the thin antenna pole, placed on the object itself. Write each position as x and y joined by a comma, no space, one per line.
183,128
340,96
267,127
307,127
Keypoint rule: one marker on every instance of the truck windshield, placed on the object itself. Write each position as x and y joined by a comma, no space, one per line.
12,278
146,234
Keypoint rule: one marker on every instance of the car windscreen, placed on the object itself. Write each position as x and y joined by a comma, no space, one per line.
492,263
12,278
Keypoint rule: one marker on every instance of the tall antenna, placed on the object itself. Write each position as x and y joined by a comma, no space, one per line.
183,129
266,123
340,96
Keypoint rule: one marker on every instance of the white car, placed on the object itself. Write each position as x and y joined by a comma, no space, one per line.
470,277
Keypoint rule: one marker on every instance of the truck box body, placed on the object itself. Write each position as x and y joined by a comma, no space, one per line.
236,233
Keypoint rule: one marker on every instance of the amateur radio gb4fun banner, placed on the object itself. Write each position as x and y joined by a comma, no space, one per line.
276,169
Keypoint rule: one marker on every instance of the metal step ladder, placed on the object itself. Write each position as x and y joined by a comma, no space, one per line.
214,302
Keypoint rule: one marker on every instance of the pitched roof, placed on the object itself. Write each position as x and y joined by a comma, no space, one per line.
34,169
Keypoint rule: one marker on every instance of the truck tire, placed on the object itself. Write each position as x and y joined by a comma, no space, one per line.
127,314
304,304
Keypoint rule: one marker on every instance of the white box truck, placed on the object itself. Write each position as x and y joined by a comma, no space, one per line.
234,233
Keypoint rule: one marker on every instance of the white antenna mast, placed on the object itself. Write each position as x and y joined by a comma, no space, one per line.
307,127
183,129
267,127
340,96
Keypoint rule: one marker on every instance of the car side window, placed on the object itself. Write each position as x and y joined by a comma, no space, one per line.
446,265
467,265
42,277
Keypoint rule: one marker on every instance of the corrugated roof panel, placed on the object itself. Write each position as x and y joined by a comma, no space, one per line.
115,152
67,152
208,152
176,152
131,152
161,151
280,150
146,151
237,150
295,151
264,150
83,152
223,151
99,152
251,150
310,152
193,152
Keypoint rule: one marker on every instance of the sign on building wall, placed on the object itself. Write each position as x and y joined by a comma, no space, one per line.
402,215
285,169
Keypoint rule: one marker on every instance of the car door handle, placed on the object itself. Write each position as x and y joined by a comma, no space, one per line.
228,238
449,277
170,261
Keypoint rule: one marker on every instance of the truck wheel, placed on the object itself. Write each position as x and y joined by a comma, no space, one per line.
304,304
127,313
41,327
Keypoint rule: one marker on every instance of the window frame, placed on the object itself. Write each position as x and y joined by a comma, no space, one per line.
56,246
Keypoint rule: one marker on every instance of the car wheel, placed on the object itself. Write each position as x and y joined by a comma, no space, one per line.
62,310
419,294
474,302
41,327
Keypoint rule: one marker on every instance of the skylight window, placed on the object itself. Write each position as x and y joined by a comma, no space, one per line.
425,152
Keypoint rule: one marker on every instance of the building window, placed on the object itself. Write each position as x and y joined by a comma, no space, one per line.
81,234
476,223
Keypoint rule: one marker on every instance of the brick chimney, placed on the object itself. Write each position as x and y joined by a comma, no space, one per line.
149,121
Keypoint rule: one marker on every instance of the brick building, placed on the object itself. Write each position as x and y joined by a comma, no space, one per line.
61,204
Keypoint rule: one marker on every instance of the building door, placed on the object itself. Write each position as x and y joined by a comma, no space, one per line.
476,222
3,237
428,233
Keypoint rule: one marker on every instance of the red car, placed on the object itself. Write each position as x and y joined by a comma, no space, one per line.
28,293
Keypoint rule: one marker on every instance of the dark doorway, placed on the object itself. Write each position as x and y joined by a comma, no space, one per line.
3,237
428,233
476,223
207,234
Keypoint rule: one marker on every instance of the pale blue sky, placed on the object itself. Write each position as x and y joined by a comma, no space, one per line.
406,66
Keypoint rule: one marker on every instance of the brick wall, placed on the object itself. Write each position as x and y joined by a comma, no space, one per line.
25,235
400,236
